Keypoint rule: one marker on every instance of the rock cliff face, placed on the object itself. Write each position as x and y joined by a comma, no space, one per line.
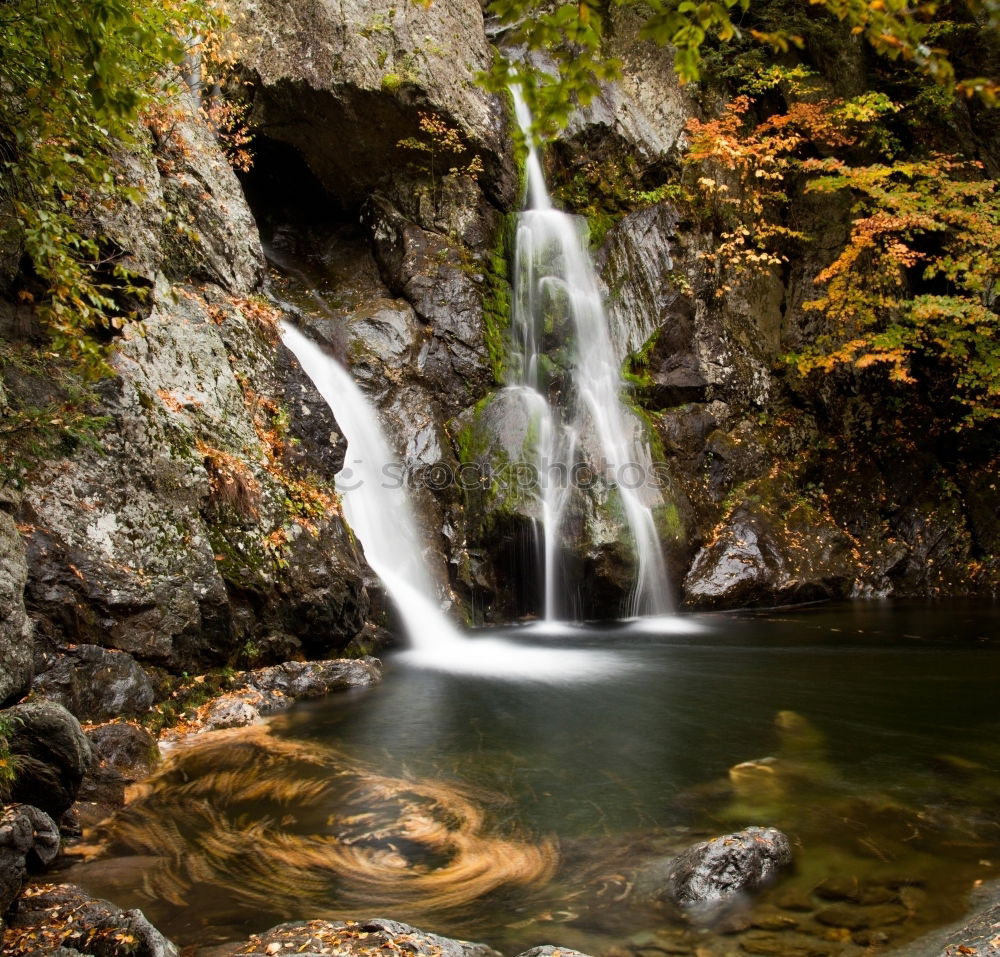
199,526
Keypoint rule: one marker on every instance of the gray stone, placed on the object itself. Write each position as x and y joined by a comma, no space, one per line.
547,950
368,66
719,870
343,937
96,684
29,840
427,270
174,542
313,679
756,559
190,220
16,647
51,754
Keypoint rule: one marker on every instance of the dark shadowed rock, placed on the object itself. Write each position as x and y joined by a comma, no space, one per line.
428,270
51,754
345,938
122,755
724,867
65,914
96,684
127,748
29,841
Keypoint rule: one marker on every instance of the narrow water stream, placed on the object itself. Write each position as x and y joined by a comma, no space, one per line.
542,810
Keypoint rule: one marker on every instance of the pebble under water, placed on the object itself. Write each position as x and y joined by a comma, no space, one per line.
527,809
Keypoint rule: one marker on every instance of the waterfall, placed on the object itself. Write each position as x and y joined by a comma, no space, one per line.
375,499
554,278
377,506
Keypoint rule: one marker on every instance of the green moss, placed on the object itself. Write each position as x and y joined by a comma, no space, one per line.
497,298
669,526
470,440
636,368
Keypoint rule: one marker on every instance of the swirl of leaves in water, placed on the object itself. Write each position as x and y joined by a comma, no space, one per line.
291,826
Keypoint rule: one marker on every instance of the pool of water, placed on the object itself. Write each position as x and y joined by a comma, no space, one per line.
540,806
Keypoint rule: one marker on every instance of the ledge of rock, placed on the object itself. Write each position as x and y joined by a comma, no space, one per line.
52,915
270,690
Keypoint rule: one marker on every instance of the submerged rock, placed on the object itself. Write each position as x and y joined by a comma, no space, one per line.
718,870
51,754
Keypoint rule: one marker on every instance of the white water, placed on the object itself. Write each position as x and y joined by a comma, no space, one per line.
553,271
377,507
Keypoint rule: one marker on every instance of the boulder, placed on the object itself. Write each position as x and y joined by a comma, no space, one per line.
548,950
62,914
428,270
313,679
358,938
761,557
29,841
16,649
208,233
51,754
96,684
725,867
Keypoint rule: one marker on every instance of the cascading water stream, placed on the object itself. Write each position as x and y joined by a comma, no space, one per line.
378,508
553,269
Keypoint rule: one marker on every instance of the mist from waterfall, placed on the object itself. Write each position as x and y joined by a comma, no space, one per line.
554,278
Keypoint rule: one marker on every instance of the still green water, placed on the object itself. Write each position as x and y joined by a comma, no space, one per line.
522,811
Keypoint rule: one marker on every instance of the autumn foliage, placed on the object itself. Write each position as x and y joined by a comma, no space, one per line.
913,290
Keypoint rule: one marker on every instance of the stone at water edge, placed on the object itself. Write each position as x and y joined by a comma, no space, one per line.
719,870
357,939
547,950
52,755
15,630
267,691
29,839
49,916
